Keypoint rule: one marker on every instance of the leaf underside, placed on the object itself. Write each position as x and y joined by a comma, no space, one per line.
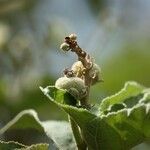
26,128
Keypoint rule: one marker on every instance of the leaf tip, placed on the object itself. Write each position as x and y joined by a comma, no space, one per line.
134,84
44,90
148,108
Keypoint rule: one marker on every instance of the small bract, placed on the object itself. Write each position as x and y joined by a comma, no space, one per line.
64,47
94,73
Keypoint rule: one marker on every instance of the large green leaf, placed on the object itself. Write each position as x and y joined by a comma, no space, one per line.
26,128
131,124
36,147
131,90
120,130
23,127
17,146
61,133
10,145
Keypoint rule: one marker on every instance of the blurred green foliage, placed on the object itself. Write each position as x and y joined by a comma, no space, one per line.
132,63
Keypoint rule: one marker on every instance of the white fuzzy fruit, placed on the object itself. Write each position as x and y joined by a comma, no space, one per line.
74,85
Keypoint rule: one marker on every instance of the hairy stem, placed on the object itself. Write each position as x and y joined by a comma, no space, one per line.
81,145
85,100
87,63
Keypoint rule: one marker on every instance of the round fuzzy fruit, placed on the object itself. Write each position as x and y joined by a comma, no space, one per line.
74,85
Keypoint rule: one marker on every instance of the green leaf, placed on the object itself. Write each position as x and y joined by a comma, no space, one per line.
36,147
118,130
62,96
131,124
26,126
115,107
61,133
10,145
146,97
130,94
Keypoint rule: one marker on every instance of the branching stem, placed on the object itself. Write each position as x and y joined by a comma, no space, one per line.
70,43
87,63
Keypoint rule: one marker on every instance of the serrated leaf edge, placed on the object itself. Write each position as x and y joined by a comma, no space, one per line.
133,83
128,111
13,142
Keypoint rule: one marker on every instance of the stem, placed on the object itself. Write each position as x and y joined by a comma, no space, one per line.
87,82
88,64
81,145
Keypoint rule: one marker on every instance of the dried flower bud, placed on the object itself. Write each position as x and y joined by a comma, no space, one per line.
94,73
64,47
73,36
74,85
78,68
